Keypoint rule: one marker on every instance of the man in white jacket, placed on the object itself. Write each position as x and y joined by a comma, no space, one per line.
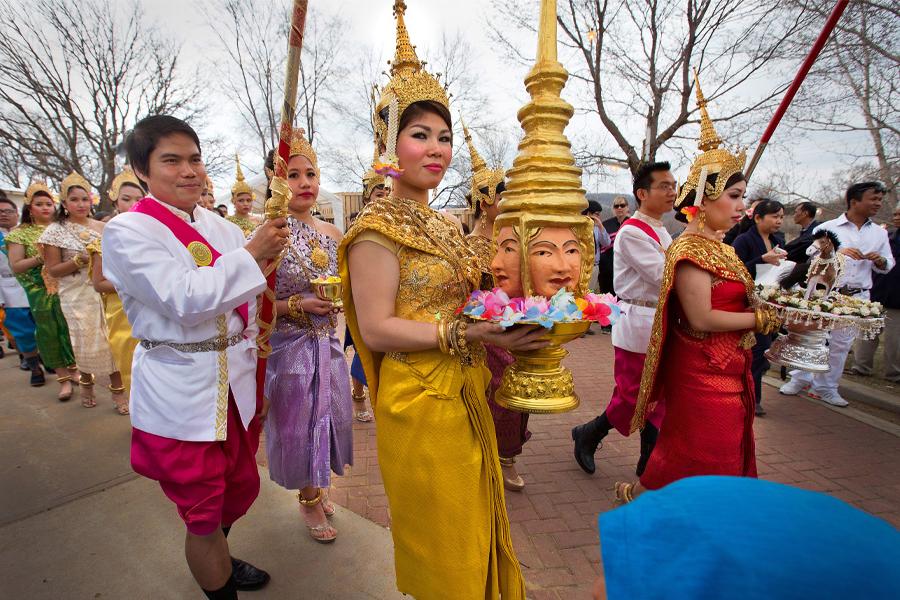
188,281
639,257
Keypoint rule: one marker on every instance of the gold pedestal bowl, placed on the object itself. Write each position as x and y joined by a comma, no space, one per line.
537,382
329,290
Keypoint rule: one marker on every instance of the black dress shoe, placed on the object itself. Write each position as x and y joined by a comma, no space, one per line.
587,438
247,578
760,411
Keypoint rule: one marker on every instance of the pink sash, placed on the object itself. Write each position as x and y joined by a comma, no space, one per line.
640,225
187,235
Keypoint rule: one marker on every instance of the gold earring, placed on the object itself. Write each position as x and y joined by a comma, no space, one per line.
483,219
702,222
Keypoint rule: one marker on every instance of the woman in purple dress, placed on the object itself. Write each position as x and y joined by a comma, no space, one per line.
309,430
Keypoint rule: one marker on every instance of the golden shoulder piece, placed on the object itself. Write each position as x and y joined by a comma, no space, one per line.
36,187
73,179
482,176
240,186
300,146
713,160
410,83
126,176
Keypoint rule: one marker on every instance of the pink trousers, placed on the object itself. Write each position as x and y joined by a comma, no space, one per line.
627,376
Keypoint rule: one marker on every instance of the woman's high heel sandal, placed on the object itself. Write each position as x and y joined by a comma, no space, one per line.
67,396
359,409
121,407
624,492
513,483
324,533
87,401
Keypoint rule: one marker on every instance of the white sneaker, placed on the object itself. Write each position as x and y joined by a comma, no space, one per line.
793,387
833,398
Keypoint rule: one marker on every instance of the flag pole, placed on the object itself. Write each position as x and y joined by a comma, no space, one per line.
276,206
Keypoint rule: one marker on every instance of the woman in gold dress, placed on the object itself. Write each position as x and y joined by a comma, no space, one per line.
65,243
242,197
407,269
124,191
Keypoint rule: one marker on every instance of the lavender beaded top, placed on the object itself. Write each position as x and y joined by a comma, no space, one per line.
293,277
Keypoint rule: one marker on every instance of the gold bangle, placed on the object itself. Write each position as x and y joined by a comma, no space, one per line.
295,308
77,261
443,344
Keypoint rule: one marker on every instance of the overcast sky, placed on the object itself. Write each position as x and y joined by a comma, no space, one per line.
372,25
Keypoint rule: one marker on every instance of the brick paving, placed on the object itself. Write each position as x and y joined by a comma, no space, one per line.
554,519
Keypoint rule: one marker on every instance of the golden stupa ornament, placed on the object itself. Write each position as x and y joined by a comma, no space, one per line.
713,160
544,199
482,176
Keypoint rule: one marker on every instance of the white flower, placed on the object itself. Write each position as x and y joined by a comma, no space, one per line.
804,304
864,311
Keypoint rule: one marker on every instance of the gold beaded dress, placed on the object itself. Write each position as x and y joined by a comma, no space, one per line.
436,443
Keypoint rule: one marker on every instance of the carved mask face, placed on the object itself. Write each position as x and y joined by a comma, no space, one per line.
554,258
506,265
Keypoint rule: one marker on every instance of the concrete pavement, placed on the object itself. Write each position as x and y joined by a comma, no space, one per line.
76,522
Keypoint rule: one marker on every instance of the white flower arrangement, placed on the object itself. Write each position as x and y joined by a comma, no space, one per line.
834,304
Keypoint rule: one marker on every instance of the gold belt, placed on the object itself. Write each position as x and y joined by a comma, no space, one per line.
217,344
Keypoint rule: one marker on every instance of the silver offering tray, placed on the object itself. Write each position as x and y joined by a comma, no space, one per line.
805,345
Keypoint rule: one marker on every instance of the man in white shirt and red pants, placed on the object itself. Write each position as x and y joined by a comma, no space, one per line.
639,257
188,281
866,248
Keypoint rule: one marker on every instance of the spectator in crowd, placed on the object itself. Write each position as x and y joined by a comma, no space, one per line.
866,250
222,210
621,211
756,246
885,289
805,217
601,237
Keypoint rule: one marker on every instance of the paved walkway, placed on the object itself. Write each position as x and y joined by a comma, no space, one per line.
554,520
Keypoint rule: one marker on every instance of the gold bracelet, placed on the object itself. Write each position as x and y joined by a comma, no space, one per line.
77,261
295,308
442,334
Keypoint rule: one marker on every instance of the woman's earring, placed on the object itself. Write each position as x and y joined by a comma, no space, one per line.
701,221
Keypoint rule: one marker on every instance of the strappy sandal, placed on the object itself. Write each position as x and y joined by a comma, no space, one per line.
68,396
513,484
624,492
361,414
327,504
325,533
121,407
87,401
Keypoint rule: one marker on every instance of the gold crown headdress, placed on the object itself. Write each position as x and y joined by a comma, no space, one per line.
371,178
713,160
300,146
73,179
126,176
482,176
36,187
410,83
240,185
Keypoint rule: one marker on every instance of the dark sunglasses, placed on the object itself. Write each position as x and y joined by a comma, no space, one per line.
620,205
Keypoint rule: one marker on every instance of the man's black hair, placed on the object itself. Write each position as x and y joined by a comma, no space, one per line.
856,191
809,208
143,139
643,177
5,200
593,207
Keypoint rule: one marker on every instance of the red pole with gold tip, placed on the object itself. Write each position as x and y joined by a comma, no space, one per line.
276,206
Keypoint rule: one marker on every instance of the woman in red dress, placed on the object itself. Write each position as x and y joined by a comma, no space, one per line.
699,355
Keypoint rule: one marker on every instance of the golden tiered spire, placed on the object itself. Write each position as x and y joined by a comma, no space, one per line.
240,186
405,60
544,176
482,176
543,188
713,160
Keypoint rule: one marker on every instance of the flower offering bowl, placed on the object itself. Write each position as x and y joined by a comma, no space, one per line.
537,382
329,290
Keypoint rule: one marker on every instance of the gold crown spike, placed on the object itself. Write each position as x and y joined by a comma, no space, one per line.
36,187
126,176
482,176
410,83
240,185
73,179
300,146
713,160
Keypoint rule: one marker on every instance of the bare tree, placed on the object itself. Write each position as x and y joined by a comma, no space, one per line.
74,75
854,87
633,60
